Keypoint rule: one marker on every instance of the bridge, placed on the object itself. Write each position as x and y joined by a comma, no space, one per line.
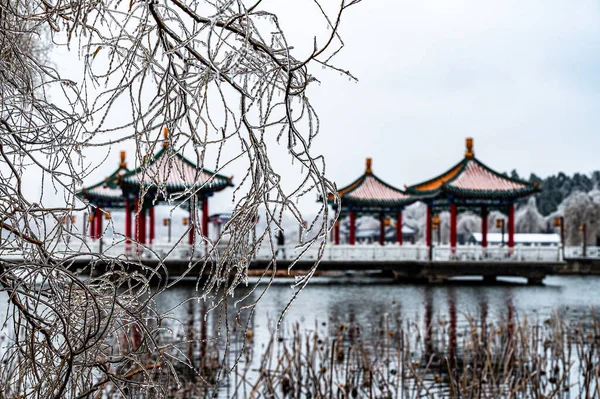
405,262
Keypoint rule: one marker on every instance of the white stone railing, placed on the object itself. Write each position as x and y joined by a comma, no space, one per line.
341,253
577,252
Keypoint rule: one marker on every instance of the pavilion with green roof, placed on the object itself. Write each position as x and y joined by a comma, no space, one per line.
467,185
371,196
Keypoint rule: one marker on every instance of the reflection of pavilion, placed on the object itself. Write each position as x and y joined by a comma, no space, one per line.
167,175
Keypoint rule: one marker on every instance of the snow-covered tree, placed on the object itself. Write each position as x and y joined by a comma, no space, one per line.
528,219
468,222
225,81
582,208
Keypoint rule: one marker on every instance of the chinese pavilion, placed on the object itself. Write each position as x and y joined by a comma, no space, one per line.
471,184
370,195
168,173
106,194
165,174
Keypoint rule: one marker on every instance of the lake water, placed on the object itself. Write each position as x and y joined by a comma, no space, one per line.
327,303
366,299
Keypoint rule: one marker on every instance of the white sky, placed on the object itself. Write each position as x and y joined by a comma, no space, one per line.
521,77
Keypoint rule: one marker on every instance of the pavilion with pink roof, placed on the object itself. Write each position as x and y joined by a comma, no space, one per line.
469,185
369,195
167,176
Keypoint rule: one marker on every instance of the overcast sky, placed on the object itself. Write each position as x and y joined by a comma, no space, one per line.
521,77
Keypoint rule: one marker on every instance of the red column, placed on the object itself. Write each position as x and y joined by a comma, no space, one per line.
142,225
98,219
352,238
399,228
484,227
151,211
336,233
382,229
205,217
453,235
192,222
428,226
92,220
128,221
136,207
511,225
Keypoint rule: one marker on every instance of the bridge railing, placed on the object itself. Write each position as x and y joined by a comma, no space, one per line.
578,252
341,253
503,254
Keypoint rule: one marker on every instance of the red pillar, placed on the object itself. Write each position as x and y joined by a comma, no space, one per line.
484,227
428,226
128,221
98,219
92,220
511,225
205,217
399,228
192,221
336,233
151,211
142,225
352,238
453,227
382,229
136,207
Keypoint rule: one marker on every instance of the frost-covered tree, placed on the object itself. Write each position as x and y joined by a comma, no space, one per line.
468,222
414,216
528,219
582,208
222,76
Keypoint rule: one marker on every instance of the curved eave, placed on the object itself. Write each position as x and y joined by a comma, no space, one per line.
447,188
452,173
345,194
377,203
102,201
108,181
175,188
490,194
352,186
510,179
217,182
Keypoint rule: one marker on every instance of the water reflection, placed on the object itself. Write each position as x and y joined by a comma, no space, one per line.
366,311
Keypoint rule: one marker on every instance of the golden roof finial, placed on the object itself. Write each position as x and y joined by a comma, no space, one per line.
123,164
369,163
166,135
470,154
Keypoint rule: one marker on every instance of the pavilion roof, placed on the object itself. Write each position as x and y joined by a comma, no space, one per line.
371,192
172,172
470,178
107,191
